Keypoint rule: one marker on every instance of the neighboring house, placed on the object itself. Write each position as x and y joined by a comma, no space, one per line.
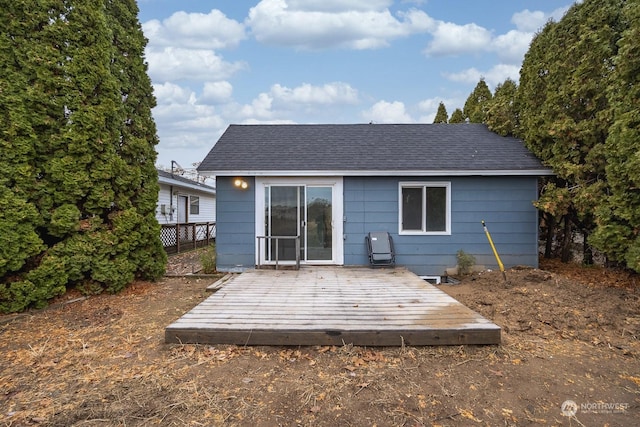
183,200
428,185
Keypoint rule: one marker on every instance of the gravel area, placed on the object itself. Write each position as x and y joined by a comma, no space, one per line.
184,263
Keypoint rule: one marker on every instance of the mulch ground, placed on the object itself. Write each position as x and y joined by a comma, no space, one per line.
569,334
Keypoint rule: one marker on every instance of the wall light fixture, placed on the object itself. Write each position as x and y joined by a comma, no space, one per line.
240,183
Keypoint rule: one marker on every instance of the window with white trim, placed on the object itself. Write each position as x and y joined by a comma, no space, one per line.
425,208
194,202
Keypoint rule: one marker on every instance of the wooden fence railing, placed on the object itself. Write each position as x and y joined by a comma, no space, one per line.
183,237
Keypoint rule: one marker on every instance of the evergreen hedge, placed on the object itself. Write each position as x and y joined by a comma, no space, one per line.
79,186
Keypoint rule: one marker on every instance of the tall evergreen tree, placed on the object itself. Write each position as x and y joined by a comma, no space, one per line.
79,140
564,112
618,218
441,116
457,116
138,136
21,120
476,105
501,114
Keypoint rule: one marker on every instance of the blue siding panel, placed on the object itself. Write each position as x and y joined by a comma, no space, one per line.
504,203
371,204
235,238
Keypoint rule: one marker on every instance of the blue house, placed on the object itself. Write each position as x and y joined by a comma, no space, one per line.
313,192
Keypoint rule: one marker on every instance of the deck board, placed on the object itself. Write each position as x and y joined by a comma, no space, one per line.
331,306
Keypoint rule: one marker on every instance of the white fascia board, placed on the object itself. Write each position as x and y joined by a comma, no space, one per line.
514,172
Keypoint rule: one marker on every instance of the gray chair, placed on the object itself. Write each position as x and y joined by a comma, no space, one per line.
380,248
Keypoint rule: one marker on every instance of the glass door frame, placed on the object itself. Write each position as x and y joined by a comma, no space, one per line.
336,184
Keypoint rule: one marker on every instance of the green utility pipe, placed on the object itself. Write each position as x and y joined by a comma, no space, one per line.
495,252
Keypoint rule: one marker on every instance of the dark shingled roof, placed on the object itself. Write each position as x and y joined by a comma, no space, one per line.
184,180
360,149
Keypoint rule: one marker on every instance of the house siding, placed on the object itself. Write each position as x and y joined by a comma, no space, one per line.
371,204
235,239
207,205
164,198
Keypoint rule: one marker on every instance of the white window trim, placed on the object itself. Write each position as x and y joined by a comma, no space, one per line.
338,213
424,184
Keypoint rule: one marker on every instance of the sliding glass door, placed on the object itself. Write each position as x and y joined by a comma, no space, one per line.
283,218
319,229
305,211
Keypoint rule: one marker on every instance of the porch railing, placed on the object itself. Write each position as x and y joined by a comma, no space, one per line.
278,239
182,237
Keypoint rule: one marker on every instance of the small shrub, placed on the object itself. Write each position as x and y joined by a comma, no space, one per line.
208,260
465,262
89,287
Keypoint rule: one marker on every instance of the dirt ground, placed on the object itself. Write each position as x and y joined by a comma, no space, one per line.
569,334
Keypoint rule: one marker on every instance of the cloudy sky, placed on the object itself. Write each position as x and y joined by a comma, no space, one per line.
222,62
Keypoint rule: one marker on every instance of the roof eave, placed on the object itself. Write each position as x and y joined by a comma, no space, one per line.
443,172
194,186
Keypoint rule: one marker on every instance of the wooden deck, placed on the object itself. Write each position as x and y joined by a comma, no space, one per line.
331,306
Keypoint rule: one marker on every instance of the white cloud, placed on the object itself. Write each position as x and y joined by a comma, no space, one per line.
454,39
355,27
417,21
182,120
187,119
187,126
512,46
216,92
170,64
496,74
338,5
387,112
195,30
184,116
529,21
281,103
451,39
260,108
187,129
170,93
330,93
500,72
